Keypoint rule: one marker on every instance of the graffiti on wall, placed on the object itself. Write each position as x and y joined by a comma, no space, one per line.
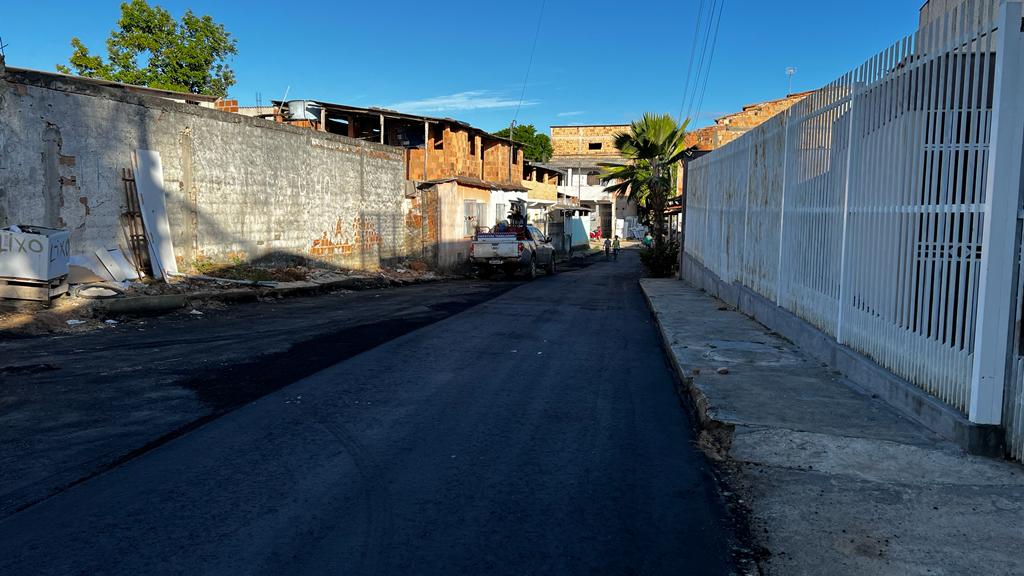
345,240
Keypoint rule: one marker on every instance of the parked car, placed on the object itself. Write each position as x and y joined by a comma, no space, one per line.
518,248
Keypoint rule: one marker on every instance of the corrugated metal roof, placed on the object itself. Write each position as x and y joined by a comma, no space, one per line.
394,114
477,182
545,166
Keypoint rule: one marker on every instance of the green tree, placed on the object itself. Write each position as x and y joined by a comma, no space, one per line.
652,146
150,48
536,147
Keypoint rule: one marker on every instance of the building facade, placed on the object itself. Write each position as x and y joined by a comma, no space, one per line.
580,152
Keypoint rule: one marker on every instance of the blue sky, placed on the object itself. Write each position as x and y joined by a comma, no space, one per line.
596,61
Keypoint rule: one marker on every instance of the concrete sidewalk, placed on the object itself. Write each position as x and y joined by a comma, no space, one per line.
835,481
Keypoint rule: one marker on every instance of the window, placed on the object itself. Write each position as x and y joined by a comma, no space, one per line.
481,214
472,145
594,146
499,212
593,178
536,234
469,211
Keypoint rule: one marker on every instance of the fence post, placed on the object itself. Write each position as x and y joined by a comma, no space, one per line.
844,264
744,272
779,270
1001,234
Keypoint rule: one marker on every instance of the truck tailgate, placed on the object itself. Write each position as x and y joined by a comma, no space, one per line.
496,249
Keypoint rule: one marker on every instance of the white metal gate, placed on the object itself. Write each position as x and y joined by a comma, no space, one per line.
863,209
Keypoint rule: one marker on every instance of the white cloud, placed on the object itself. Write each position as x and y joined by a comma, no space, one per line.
469,100
571,113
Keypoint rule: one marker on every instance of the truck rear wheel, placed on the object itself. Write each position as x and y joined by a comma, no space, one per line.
531,270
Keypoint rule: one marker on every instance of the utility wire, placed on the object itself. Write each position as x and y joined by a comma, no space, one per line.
689,67
714,42
529,65
692,96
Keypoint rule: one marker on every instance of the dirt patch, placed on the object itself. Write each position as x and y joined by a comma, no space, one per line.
71,315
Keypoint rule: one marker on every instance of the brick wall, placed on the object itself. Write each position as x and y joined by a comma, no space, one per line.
540,190
455,151
422,227
235,185
226,105
731,126
496,163
585,140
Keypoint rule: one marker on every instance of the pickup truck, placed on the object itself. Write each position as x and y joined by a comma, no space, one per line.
519,248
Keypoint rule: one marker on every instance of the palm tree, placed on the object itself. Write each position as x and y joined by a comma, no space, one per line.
652,146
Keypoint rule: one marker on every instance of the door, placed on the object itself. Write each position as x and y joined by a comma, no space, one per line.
545,252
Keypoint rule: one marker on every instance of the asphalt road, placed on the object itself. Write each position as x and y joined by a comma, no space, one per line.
74,405
536,433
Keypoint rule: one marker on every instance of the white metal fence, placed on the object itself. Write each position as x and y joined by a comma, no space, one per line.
863,209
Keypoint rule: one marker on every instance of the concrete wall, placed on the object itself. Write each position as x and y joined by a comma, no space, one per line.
237,187
453,246
540,190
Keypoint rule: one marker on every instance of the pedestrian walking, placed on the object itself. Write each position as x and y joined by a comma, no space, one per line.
607,249
615,248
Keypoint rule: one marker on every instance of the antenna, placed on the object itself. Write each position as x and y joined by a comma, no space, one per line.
2,46
284,102
790,72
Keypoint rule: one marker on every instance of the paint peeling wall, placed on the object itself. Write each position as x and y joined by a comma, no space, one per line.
237,187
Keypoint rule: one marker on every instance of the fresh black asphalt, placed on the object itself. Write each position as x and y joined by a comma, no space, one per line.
535,433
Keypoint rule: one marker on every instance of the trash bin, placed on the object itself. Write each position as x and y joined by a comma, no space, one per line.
33,262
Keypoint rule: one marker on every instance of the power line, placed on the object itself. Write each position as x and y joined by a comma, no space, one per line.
714,42
529,65
692,96
689,67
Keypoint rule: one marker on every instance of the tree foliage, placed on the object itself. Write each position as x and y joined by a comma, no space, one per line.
652,146
536,146
150,48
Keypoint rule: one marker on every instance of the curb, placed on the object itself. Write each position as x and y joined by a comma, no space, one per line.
716,434
715,441
861,372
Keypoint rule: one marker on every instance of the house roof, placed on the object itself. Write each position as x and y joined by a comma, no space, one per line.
584,161
475,182
586,125
545,166
571,207
119,85
395,114
748,107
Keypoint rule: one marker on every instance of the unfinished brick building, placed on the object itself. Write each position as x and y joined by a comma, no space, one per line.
731,126
580,151
466,175
436,148
592,140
